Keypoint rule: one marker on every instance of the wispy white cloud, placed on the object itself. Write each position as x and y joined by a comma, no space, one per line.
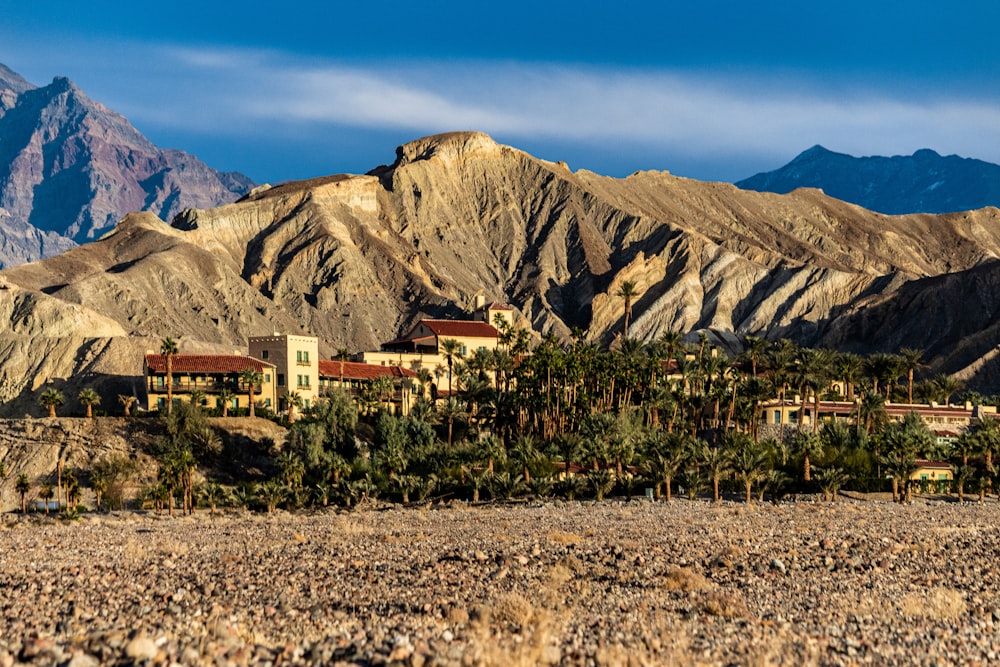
242,93
693,111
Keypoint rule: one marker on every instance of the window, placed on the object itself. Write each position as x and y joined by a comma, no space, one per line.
302,356
281,379
306,404
267,402
777,416
267,378
462,350
264,355
160,381
161,403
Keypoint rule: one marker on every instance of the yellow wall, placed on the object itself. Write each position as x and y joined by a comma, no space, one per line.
184,384
296,361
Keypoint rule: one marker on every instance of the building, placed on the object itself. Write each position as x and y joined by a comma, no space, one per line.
493,313
421,347
296,363
358,378
936,476
428,336
210,374
945,421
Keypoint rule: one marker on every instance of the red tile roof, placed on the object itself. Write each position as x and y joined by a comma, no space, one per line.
354,370
461,328
933,465
400,341
205,363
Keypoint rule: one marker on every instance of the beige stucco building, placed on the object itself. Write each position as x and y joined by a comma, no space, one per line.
421,347
296,365
209,374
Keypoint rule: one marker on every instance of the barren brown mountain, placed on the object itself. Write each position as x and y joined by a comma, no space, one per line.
355,259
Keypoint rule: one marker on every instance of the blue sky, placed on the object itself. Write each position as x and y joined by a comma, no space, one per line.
711,90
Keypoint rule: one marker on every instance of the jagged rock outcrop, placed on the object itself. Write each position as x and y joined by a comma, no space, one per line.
924,182
356,259
70,168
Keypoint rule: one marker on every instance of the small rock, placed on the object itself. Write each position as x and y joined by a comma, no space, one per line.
141,648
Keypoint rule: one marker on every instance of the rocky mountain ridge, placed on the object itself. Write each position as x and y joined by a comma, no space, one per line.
70,168
356,259
924,182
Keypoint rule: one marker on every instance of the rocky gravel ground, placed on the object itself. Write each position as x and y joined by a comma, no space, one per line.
687,583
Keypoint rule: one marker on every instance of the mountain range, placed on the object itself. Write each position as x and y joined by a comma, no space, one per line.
355,259
924,182
70,169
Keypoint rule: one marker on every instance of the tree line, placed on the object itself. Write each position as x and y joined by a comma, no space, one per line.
580,420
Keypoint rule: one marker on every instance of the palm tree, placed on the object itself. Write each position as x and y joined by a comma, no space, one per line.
870,412
569,446
46,492
99,484
749,463
168,348
225,399
987,437
270,494
451,410
72,485
295,402
89,398
22,487
808,445
127,401
627,291
384,388
451,349
251,377
847,368
51,398
525,453
830,480
715,462
947,385
601,481
911,362
197,398
214,494
3,476
291,468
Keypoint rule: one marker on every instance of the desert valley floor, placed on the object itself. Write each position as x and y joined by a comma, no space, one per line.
615,583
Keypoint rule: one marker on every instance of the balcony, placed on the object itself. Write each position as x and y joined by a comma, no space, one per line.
207,386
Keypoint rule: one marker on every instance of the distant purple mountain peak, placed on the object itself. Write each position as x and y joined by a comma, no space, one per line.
925,182
70,169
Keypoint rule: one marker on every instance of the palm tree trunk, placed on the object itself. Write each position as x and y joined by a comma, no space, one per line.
170,383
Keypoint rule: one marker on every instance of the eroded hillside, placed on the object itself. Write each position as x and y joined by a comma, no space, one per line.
355,259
